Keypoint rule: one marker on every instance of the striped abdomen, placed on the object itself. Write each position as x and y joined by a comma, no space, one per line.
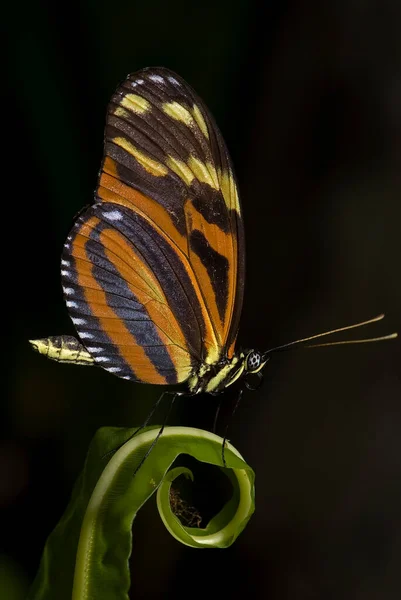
63,348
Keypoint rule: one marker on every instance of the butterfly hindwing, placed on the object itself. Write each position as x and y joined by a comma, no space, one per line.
155,268
120,307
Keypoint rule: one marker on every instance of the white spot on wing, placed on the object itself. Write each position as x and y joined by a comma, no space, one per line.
78,321
126,377
173,80
68,291
86,335
94,349
66,263
103,359
114,215
113,369
65,273
156,78
71,304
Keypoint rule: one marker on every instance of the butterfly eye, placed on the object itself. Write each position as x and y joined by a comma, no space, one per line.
253,361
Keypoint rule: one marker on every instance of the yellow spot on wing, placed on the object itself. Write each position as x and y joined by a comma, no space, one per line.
180,169
135,103
151,166
178,112
206,173
200,121
121,112
194,169
229,190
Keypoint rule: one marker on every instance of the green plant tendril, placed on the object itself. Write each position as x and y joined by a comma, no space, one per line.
86,556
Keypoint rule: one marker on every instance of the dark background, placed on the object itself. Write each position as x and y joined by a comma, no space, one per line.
308,97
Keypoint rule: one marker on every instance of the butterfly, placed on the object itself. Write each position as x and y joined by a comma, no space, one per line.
153,271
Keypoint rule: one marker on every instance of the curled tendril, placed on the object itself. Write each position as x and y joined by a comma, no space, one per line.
223,529
87,554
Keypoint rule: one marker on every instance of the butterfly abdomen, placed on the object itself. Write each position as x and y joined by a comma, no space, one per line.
63,348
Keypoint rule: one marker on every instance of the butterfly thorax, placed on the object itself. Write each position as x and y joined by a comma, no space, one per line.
214,378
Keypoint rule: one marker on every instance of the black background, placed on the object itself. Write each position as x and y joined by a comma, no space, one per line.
308,97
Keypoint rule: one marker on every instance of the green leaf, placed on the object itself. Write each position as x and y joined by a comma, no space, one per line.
87,554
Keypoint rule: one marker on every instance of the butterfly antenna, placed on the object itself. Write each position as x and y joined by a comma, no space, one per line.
303,342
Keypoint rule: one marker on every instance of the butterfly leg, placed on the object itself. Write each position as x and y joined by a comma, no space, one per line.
153,444
148,418
153,410
216,416
226,430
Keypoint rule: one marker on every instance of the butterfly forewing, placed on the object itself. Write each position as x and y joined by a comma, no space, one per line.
153,272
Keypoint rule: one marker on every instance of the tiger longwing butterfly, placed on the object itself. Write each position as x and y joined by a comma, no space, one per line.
153,271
